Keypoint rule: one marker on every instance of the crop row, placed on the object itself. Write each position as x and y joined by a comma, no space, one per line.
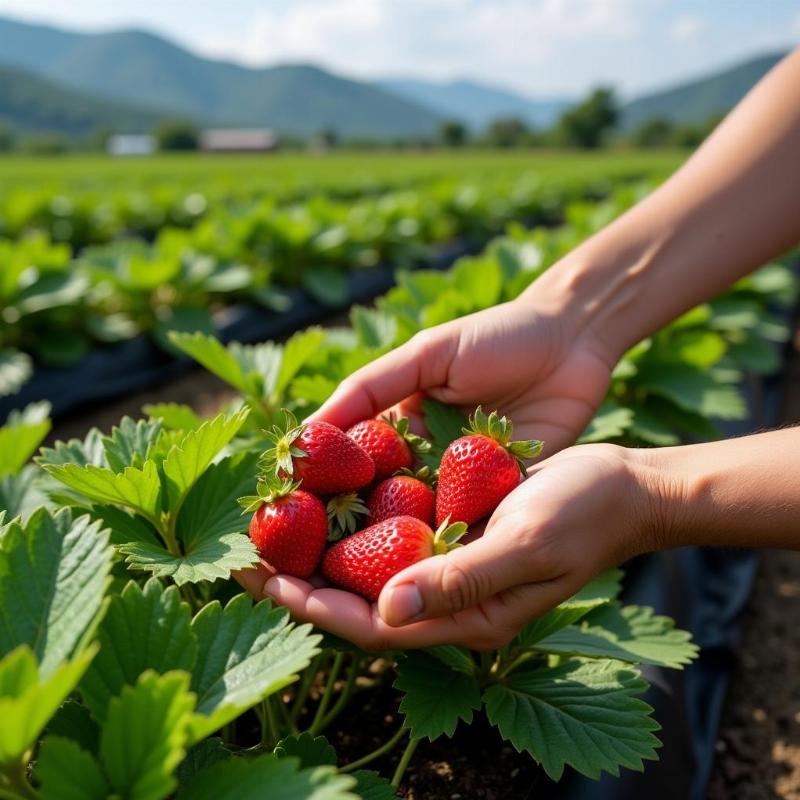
55,306
130,666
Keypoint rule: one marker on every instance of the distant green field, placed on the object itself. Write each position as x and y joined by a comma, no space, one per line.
98,173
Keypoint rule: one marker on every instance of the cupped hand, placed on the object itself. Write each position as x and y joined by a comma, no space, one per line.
579,512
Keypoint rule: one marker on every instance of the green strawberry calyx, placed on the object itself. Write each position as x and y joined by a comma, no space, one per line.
447,535
344,513
418,445
276,460
424,475
267,491
500,429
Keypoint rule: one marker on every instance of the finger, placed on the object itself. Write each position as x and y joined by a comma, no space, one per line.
252,580
419,364
460,579
487,626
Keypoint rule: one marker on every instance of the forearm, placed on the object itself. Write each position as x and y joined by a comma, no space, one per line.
729,209
738,492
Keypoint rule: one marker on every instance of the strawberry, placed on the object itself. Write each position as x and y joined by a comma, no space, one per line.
478,470
403,495
289,527
344,511
319,454
389,443
364,562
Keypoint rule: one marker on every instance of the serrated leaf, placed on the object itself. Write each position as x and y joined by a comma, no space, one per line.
136,489
610,422
124,527
457,658
16,369
371,786
296,353
211,354
143,629
53,574
246,653
20,494
187,461
144,735
584,714
309,750
444,423
76,451
74,721
436,697
130,442
693,389
201,756
268,776
68,772
629,633
18,442
27,701
599,591
174,416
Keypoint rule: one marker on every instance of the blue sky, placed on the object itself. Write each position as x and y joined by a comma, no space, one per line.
539,47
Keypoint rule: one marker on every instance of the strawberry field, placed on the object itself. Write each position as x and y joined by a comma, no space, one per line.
131,663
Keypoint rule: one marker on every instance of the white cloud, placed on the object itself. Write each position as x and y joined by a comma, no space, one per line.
503,40
686,27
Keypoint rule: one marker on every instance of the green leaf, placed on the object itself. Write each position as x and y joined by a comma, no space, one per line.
311,751
125,528
67,772
200,757
130,442
585,714
457,658
629,633
648,427
692,389
143,629
599,591
444,423
186,319
312,389
174,416
209,527
699,348
76,451
136,489
74,721
210,353
21,494
27,702
16,369
610,422
18,442
187,461
296,353
371,786
436,697
268,777
376,329
144,735
327,285
246,653
53,574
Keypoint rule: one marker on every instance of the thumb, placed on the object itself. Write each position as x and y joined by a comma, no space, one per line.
419,364
460,579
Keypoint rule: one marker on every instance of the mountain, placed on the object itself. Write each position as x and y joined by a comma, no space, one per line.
139,67
31,104
696,101
477,104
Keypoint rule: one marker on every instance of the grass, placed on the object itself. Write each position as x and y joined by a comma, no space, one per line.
98,172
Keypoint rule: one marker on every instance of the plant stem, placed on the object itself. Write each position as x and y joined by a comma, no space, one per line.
326,697
14,783
269,725
283,708
305,687
344,695
404,759
520,659
385,748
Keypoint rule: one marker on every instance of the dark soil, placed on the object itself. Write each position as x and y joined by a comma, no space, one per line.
759,741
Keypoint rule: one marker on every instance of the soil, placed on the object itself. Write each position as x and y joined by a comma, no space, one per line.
759,741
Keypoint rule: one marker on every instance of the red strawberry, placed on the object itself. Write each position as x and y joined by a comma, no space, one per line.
389,443
478,470
365,561
403,495
320,455
289,527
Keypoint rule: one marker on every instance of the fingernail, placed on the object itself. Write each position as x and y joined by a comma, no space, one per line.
272,589
405,603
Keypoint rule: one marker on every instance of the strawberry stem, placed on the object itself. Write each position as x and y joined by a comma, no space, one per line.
277,460
501,429
447,535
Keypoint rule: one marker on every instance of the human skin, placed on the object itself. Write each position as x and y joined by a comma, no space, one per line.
550,353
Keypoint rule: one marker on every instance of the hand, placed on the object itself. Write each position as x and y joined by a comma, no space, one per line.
579,512
540,368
